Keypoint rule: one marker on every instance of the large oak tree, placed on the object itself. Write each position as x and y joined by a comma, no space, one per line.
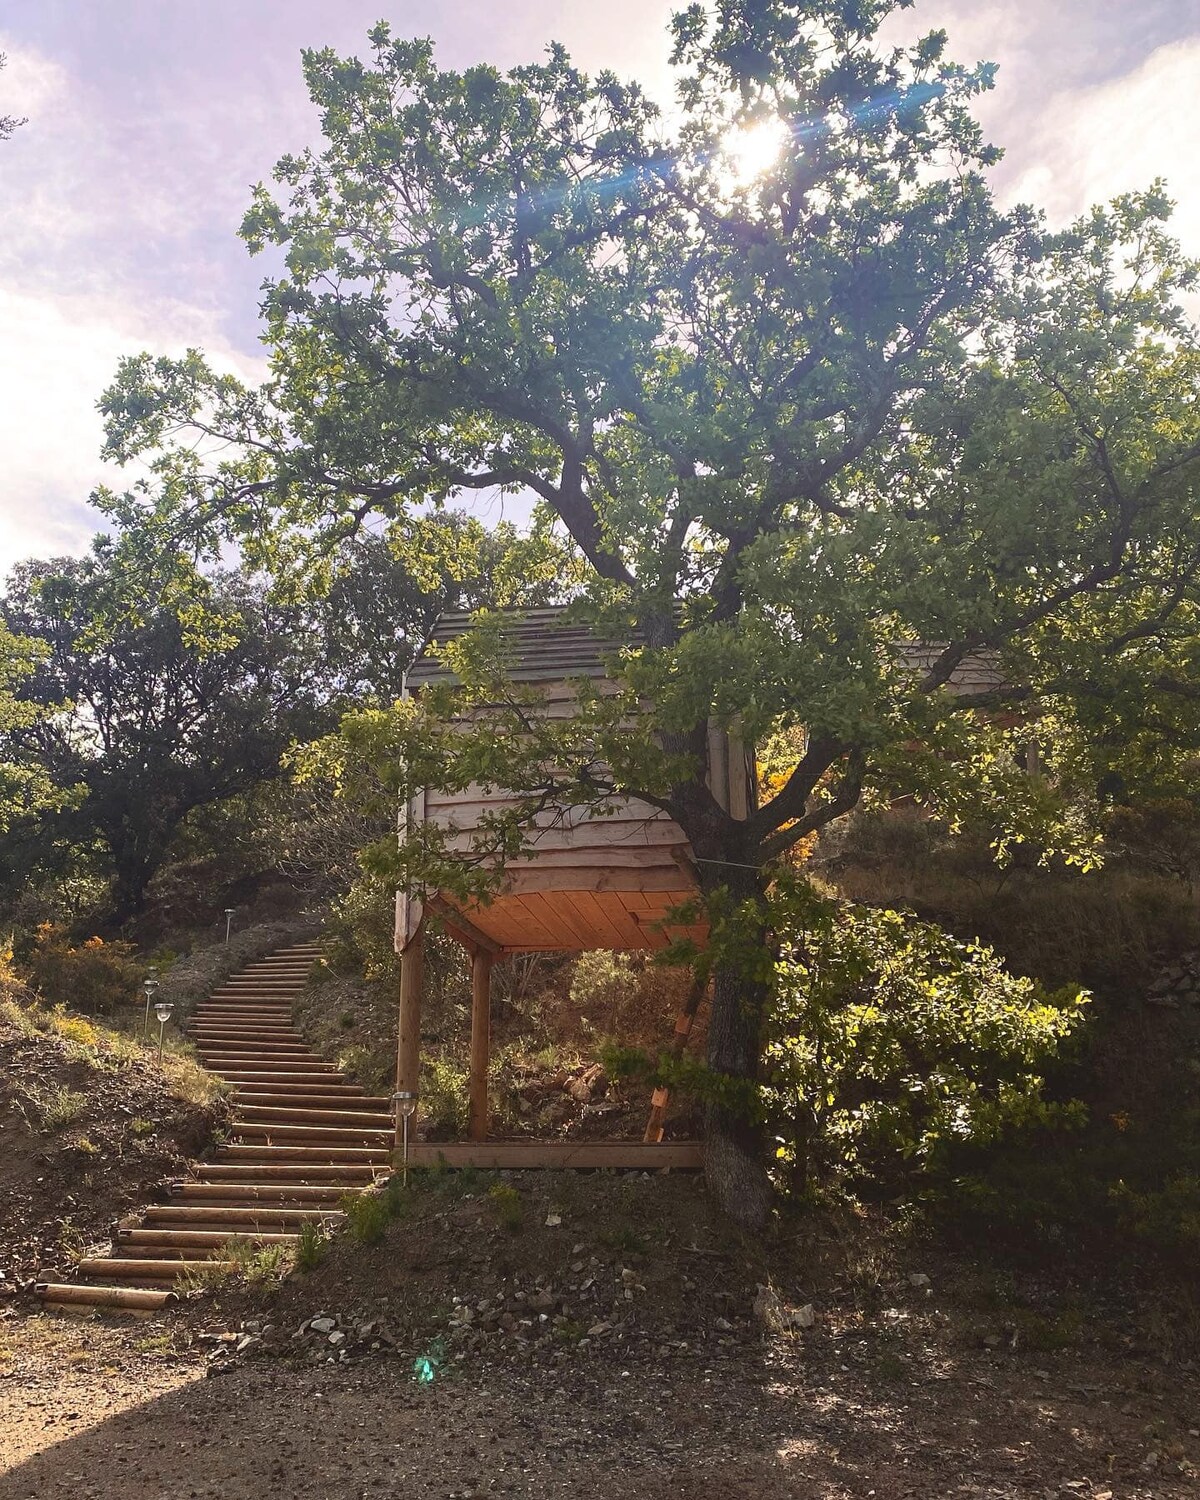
798,425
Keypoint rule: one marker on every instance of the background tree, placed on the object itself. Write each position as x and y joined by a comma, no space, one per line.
386,590
822,434
147,717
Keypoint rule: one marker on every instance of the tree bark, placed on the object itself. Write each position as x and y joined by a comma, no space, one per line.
735,1156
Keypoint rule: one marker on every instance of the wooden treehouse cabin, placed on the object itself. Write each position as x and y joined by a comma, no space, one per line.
588,881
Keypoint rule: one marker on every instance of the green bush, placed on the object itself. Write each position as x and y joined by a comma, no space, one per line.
444,1097
367,1216
506,1202
892,1045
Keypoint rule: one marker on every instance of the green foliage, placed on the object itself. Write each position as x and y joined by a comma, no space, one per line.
507,1206
367,1217
444,1098
312,1247
1110,928
604,984
895,1046
95,976
1167,1217
159,691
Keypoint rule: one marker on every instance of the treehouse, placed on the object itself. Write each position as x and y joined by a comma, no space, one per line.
588,879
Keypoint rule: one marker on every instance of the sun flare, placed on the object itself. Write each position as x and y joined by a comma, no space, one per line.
752,150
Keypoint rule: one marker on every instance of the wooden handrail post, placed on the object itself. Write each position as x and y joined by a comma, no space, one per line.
408,1048
481,1018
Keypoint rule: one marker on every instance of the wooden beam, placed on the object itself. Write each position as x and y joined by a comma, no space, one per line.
462,927
481,1020
587,1155
408,1047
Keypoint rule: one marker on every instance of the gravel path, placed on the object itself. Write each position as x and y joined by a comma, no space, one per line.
92,1410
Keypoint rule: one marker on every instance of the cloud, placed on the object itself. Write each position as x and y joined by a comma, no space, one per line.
58,354
1089,144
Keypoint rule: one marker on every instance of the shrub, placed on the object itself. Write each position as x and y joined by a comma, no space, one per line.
367,1216
604,983
444,1097
893,1045
506,1202
94,976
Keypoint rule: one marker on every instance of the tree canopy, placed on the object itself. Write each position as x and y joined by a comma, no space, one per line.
136,717
824,434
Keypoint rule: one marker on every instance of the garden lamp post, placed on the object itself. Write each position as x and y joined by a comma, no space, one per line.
406,1106
163,1011
229,911
150,986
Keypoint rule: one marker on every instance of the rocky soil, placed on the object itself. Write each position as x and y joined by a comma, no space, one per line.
553,1335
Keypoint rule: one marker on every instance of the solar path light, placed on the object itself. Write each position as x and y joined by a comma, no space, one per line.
150,986
163,1011
406,1106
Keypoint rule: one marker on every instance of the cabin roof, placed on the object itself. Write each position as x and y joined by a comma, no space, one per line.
543,646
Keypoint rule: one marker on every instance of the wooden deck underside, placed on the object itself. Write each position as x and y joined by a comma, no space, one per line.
638,1156
572,921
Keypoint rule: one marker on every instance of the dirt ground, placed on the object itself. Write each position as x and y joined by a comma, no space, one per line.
90,1410
600,1333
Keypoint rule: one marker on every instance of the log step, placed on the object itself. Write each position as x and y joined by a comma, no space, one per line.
299,1173
233,1220
320,1155
115,1267
226,1194
316,1086
280,1072
273,1097
67,1294
198,1239
208,1038
254,1114
287,1135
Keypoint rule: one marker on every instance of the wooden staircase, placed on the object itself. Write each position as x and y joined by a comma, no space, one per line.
301,1137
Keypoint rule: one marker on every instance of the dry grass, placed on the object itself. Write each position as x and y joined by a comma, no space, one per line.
50,1108
244,1261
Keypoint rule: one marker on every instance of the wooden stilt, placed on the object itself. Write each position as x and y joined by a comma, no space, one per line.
481,1018
661,1097
408,1050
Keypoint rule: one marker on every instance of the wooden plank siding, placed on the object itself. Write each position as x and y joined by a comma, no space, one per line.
589,879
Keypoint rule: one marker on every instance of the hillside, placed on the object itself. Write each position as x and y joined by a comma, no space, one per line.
91,1127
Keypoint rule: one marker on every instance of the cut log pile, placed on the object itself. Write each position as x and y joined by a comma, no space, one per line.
301,1137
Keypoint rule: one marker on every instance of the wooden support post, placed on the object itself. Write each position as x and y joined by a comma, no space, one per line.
481,1019
408,1049
661,1097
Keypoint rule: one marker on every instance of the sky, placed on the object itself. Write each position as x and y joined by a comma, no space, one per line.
149,121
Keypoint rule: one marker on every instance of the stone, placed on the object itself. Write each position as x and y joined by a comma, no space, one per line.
323,1325
918,1278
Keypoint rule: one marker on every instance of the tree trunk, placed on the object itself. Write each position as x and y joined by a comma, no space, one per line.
734,1145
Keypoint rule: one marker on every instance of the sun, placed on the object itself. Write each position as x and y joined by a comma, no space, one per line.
751,150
